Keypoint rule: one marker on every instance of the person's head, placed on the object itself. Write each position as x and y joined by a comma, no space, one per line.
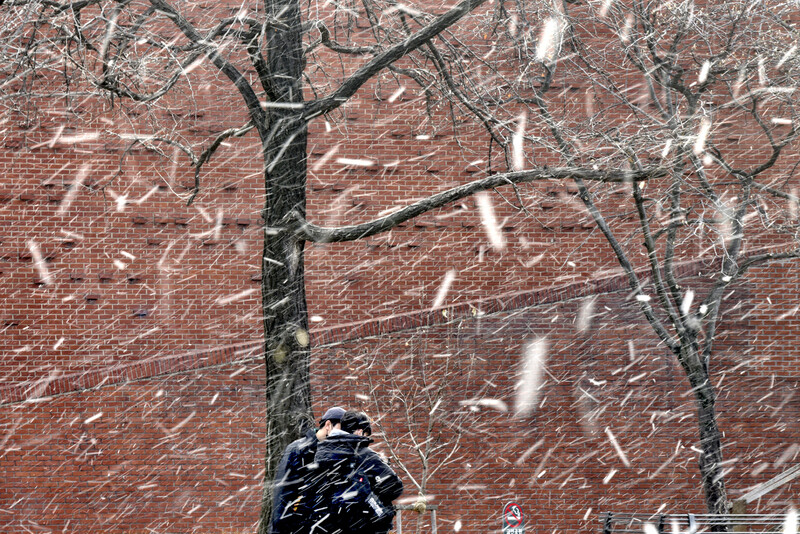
356,423
332,419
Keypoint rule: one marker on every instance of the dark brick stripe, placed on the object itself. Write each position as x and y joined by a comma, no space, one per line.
198,359
170,364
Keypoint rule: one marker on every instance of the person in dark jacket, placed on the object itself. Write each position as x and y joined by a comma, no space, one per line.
385,483
348,448
289,514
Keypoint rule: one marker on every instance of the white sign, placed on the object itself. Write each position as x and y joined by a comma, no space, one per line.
513,519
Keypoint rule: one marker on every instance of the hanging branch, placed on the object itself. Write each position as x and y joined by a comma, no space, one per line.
208,152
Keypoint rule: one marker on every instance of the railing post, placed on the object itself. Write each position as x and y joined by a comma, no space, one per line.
607,523
399,521
740,507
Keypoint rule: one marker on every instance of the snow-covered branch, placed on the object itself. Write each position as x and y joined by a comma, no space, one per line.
319,234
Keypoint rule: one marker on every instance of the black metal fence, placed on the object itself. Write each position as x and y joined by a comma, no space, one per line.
620,523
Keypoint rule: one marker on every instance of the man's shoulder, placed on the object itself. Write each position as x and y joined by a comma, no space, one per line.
303,443
372,459
365,450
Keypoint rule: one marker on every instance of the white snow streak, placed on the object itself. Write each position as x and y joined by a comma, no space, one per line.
39,263
604,8
147,195
790,523
397,94
517,148
489,221
667,147
549,40
93,418
617,448
182,423
73,190
609,476
585,314
686,303
625,33
702,135
703,76
355,162
530,379
449,276
786,56
324,159
238,296
79,138
494,404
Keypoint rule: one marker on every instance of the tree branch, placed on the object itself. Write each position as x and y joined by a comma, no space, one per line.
208,152
383,60
325,39
318,234
633,280
655,267
251,100
712,300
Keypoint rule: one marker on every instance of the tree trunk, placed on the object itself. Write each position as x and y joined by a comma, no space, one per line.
710,436
286,338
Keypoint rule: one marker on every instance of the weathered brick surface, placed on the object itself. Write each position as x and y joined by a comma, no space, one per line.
131,390
182,452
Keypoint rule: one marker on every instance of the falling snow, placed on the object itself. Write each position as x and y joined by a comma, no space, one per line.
632,216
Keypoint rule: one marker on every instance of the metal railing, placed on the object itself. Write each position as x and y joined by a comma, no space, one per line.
758,491
621,523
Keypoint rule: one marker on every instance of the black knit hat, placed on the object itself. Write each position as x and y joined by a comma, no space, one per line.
352,421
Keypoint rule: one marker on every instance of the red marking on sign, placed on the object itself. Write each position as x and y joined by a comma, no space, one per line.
512,515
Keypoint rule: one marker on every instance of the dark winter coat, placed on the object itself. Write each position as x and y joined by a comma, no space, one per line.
289,516
344,448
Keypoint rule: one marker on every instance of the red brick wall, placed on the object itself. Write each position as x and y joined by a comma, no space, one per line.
159,277
150,295
177,453
554,462
181,452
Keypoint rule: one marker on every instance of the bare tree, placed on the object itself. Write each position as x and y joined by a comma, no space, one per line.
611,96
655,85
140,52
698,67
423,401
